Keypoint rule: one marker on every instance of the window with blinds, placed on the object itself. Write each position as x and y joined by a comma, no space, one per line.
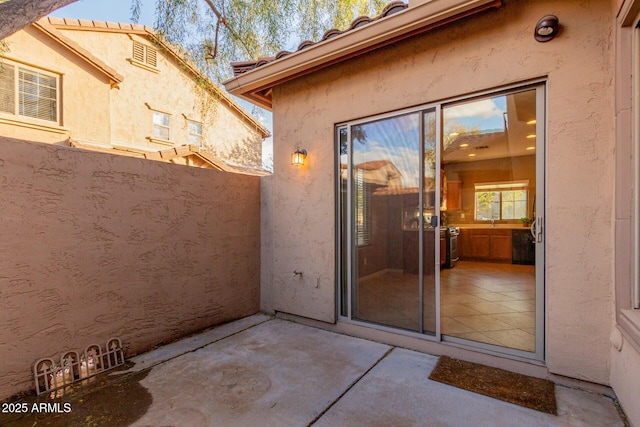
363,209
145,54
27,92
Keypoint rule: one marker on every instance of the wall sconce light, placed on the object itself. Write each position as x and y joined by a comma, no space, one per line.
298,156
546,28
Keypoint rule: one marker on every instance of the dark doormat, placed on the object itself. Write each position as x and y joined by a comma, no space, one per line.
534,393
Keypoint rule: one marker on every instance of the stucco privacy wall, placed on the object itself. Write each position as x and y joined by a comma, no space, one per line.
96,246
487,51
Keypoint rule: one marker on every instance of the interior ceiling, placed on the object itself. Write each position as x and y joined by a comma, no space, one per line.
513,142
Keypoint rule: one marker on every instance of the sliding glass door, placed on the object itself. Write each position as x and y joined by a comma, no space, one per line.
388,240
440,221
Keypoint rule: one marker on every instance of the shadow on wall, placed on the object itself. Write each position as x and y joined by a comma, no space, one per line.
99,245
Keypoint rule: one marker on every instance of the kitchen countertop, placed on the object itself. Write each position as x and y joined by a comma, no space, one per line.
488,226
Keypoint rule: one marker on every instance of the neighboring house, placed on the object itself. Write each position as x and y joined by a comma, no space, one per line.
118,88
514,128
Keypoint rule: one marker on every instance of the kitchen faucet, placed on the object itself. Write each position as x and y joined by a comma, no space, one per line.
493,222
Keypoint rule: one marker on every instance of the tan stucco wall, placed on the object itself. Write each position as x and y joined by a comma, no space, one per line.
625,371
172,91
84,92
484,52
97,246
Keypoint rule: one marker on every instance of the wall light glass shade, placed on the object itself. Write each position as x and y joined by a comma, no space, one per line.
546,28
298,156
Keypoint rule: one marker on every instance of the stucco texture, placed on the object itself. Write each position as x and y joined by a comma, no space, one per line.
84,92
170,90
97,246
484,52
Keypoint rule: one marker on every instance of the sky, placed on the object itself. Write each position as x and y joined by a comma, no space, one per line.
120,11
397,138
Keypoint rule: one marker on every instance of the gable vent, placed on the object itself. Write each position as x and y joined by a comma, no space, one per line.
151,56
145,54
138,51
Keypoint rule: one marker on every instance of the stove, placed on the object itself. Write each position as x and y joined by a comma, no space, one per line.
451,235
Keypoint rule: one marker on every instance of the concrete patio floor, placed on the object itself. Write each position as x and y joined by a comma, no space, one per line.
261,371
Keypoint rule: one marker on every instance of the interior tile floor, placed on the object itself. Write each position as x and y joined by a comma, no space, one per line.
486,302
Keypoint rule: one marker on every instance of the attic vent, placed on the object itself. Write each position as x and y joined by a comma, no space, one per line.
481,147
151,56
145,54
138,51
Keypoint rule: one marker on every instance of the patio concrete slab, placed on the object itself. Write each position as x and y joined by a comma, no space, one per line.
398,392
177,348
263,371
275,373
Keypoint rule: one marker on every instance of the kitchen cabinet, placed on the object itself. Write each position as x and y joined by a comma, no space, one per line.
443,250
454,195
485,244
464,243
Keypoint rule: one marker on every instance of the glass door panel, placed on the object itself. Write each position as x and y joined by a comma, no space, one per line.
385,174
490,186
440,221
431,241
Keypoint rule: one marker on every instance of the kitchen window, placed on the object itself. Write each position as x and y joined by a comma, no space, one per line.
29,92
161,125
501,201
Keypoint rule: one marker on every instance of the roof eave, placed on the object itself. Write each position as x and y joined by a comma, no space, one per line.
53,25
114,77
255,85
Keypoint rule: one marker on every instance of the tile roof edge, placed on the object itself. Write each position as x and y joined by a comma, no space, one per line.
361,21
96,62
175,51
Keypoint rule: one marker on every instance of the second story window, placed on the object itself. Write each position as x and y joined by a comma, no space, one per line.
28,92
195,133
161,125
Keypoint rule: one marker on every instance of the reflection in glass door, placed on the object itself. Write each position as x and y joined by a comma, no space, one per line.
441,221
489,165
389,221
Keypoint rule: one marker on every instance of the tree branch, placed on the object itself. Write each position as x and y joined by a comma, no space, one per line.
17,14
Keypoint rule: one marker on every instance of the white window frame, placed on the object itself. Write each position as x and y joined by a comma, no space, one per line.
155,125
17,68
500,187
194,135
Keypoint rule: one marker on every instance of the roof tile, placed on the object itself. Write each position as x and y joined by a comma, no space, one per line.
246,66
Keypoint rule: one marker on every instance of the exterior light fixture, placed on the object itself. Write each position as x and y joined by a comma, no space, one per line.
472,155
464,145
546,28
531,136
531,148
298,156
531,122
